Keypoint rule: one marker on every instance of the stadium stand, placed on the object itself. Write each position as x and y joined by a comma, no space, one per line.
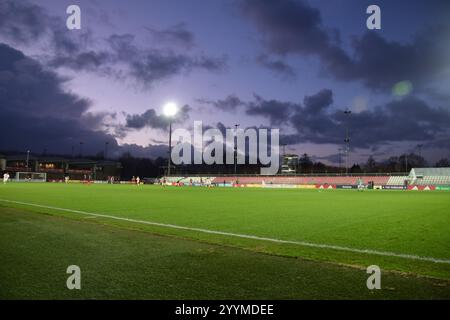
173,179
432,180
304,180
430,176
397,180
417,176
188,180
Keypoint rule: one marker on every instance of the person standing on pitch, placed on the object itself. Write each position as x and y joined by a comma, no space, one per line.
5,177
360,185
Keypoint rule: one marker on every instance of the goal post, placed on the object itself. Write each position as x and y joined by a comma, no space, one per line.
31,177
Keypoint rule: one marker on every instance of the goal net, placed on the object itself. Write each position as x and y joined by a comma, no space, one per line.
31,176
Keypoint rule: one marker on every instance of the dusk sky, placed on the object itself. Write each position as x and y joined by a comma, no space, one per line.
288,64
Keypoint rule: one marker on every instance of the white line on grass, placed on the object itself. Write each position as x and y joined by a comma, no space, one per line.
245,236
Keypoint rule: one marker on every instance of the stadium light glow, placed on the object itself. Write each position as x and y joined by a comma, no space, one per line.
170,109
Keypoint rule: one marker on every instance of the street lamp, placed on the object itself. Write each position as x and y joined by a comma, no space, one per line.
170,110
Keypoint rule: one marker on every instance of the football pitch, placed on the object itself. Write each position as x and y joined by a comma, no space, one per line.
222,243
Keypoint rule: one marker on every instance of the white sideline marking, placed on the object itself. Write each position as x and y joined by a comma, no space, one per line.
245,236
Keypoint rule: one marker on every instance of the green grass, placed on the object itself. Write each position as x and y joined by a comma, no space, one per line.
415,223
117,263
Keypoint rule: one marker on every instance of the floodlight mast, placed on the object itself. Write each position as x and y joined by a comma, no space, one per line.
81,148
347,112
412,152
406,162
105,154
170,147
170,110
340,160
235,153
28,158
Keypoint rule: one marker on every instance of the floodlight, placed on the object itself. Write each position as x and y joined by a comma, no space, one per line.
170,109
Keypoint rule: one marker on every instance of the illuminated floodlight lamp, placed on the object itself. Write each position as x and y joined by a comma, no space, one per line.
170,109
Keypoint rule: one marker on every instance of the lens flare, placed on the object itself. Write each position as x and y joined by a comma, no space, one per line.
402,88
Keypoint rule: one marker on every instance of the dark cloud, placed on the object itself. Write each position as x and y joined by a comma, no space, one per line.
174,35
209,63
152,151
155,65
315,121
287,26
440,143
294,27
89,60
319,101
332,158
230,103
123,46
152,120
38,111
380,64
277,66
157,62
150,65
409,119
24,23
277,112
29,24
38,114
24,82
147,119
124,58
221,127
